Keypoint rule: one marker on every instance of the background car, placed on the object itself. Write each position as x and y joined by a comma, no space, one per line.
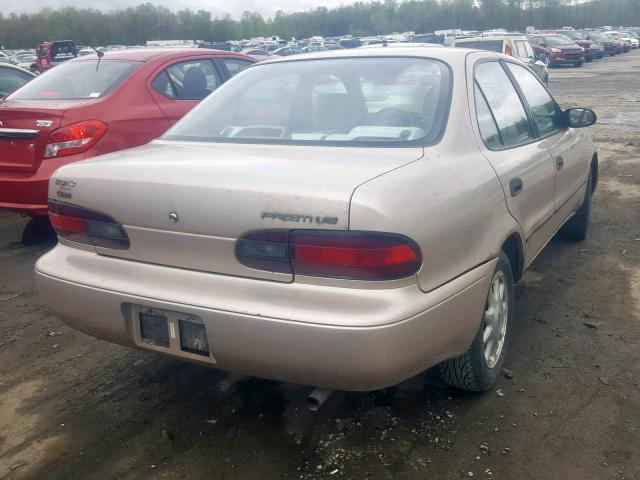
12,77
258,53
516,46
591,49
342,221
557,49
609,45
229,47
288,50
89,106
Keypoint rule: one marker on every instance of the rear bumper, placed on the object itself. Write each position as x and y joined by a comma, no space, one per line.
566,60
27,192
326,336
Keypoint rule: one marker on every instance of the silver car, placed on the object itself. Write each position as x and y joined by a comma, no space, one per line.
344,220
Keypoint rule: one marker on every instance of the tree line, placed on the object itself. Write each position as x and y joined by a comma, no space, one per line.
134,26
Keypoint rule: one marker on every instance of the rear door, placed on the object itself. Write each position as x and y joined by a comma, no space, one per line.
520,158
179,86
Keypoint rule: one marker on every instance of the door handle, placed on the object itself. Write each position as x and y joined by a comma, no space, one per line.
516,186
559,163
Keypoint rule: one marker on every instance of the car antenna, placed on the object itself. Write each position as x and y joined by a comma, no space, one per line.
100,54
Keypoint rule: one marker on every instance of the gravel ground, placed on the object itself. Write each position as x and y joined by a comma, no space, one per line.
73,407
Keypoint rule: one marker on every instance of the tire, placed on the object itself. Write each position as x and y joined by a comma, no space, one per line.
589,59
575,230
577,64
472,371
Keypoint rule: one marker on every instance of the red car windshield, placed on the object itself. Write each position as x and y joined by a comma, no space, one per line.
77,80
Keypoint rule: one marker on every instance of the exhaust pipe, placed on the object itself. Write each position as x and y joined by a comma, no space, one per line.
317,398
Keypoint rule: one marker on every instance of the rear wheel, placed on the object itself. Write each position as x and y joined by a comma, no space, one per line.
478,368
576,228
577,64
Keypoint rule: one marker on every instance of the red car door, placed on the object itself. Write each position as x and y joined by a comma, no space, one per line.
179,86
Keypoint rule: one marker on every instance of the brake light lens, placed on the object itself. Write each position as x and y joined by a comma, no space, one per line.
81,225
331,253
508,50
75,138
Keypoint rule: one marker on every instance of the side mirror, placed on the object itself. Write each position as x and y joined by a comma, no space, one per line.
580,117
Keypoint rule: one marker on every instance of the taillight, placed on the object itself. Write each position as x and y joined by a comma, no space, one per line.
81,225
75,138
331,253
508,50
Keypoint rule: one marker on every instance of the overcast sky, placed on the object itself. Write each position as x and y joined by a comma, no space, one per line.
218,7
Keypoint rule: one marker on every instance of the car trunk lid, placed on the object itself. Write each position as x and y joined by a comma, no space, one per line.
24,129
184,204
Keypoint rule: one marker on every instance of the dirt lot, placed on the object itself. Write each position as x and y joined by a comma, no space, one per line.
73,407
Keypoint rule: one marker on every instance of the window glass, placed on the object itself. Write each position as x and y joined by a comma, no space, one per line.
488,128
524,49
235,65
354,100
490,45
11,80
542,106
503,100
163,86
193,80
77,80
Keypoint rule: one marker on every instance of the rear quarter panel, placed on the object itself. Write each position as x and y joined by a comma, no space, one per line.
450,201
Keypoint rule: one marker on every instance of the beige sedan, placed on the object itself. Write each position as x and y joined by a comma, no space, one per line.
344,220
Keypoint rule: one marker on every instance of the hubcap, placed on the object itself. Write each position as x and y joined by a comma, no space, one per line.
495,319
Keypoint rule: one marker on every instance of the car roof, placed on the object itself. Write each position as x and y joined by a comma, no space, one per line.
492,38
9,66
445,53
146,54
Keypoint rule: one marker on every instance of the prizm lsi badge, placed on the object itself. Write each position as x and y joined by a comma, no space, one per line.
64,187
289,217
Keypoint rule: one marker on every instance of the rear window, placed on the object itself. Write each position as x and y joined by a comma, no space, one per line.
330,101
77,80
490,45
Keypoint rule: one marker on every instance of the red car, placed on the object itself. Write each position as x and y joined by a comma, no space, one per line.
89,106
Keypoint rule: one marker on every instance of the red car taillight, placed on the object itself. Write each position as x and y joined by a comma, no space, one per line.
331,253
81,225
76,138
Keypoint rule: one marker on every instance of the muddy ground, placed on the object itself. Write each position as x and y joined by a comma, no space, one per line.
73,407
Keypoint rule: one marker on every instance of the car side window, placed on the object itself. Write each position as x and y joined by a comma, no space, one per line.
542,106
235,65
11,80
192,80
486,122
503,101
163,86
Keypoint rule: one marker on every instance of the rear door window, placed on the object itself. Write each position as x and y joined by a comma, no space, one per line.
503,100
193,80
524,49
85,79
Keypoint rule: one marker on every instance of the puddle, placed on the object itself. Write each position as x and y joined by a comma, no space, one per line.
20,454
